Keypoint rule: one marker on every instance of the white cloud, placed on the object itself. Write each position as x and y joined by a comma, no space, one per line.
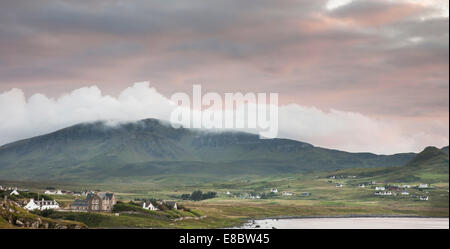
334,4
23,118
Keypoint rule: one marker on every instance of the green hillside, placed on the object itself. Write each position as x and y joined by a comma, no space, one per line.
430,166
152,149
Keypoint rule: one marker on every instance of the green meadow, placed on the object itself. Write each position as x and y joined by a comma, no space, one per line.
228,210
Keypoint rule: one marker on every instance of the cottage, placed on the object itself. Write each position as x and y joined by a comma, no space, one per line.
288,193
97,201
362,185
338,185
405,193
14,192
274,190
406,186
41,205
423,185
423,198
380,188
149,206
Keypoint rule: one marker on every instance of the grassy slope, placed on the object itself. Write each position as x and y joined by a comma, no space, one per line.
430,166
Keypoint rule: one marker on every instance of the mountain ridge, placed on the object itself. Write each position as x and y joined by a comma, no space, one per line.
153,148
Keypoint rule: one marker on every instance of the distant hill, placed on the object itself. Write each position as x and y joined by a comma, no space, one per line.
152,149
429,166
445,149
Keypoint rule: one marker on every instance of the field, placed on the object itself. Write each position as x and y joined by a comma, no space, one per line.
234,202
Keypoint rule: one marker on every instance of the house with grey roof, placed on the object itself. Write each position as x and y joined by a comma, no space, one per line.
96,201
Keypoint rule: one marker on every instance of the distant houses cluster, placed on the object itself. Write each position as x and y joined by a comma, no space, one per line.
385,190
89,201
10,190
393,190
265,195
341,176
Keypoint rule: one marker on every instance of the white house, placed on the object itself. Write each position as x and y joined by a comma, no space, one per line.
406,186
380,188
41,205
405,193
383,193
51,192
150,206
288,193
423,185
423,198
14,192
228,193
362,185
338,185
274,190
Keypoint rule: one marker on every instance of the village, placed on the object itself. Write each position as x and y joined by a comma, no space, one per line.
413,192
85,201
387,189
99,201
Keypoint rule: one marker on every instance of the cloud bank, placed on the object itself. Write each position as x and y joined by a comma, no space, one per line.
22,117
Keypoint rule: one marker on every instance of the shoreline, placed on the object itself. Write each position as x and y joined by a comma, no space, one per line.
348,216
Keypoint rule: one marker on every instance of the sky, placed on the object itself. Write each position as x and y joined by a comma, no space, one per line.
355,75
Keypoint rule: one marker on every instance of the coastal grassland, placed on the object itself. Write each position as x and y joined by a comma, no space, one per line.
158,219
258,209
229,210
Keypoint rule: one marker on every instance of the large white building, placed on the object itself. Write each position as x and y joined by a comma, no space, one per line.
41,205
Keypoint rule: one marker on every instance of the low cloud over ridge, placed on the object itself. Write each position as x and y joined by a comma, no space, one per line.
23,117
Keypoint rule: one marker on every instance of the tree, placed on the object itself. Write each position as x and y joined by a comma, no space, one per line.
196,195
